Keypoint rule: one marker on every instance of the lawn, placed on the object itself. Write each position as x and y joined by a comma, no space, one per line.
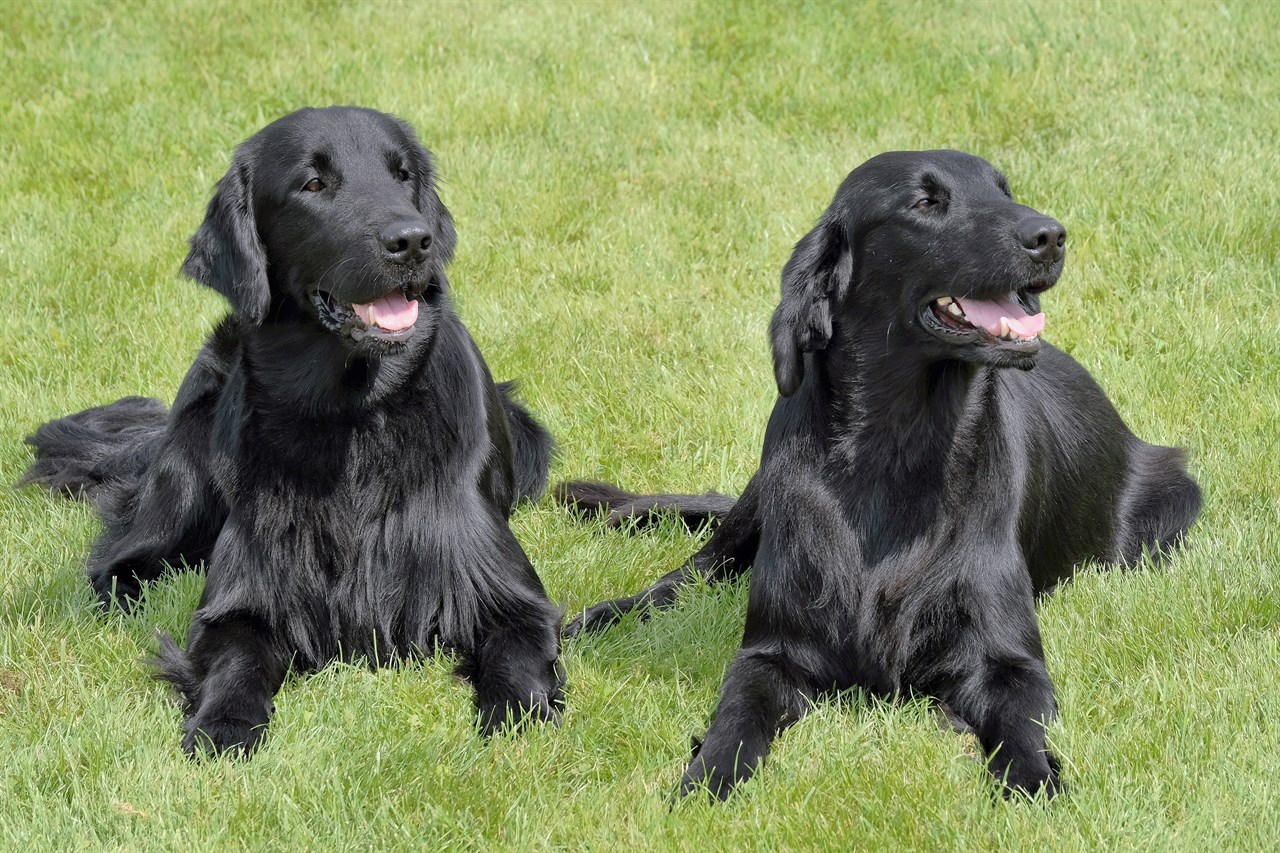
627,183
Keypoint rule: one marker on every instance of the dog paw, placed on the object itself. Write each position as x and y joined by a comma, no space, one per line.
702,777
1054,786
574,627
116,592
497,717
1049,787
597,617
1026,786
224,736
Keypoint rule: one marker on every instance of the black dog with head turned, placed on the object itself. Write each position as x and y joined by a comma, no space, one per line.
914,496
338,452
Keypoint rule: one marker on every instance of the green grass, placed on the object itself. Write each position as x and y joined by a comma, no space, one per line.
628,181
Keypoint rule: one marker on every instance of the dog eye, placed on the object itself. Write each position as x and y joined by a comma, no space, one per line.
402,175
314,185
925,203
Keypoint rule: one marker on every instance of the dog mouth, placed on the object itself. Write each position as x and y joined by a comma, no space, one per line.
1000,321
388,319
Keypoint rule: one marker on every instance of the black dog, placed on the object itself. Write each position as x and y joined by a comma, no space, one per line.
914,495
338,452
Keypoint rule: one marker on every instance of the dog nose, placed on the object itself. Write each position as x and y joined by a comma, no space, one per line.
1044,238
405,242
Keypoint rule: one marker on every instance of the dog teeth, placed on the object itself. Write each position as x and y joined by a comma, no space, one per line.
1006,331
1008,334
946,303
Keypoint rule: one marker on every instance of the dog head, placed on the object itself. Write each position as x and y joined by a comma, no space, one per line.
926,247
328,216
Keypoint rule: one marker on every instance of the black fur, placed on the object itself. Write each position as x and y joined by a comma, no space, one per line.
642,510
349,486
914,494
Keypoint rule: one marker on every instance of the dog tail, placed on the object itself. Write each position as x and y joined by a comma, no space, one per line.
92,454
531,444
617,506
1162,501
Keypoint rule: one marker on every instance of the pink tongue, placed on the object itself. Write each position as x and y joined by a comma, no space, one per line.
987,315
392,312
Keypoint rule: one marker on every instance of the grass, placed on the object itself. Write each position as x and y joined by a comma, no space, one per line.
628,181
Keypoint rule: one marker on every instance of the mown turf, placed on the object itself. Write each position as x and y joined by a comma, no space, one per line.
628,181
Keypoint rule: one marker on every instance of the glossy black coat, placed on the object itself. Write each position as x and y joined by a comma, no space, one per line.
918,487
350,494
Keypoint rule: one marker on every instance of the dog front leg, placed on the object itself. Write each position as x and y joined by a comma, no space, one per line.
228,677
975,646
517,675
510,645
762,694
1011,703
1006,697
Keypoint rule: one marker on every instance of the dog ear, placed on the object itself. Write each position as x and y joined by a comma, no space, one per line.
428,202
226,253
818,272
445,240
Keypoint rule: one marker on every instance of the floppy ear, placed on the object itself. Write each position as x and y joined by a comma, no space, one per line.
819,271
429,205
226,253
445,240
